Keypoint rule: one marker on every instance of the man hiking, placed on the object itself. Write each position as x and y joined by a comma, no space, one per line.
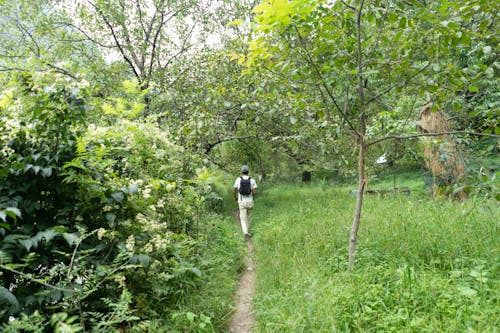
245,188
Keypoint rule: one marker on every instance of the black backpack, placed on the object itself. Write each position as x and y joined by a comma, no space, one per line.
245,186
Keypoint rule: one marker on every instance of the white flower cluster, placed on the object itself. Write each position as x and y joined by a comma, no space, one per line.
136,182
101,232
7,151
120,279
150,223
130,243
97,131
146,192
8,129
148,248
160,203
161,242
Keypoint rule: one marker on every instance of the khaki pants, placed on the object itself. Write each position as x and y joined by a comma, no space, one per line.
245,215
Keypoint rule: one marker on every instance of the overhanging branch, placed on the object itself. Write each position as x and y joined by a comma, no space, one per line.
210,145
412,136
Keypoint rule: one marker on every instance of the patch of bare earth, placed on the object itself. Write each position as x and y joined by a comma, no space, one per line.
242,319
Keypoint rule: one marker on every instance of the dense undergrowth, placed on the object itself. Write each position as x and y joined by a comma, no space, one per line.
422,265
106,225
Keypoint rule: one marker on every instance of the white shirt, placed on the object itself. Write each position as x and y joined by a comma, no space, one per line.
241,197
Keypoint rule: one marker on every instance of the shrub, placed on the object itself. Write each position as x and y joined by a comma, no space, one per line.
100,225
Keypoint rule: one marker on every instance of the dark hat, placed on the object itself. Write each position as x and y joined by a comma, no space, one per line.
244,168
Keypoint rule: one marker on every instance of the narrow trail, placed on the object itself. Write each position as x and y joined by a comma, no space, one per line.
242,319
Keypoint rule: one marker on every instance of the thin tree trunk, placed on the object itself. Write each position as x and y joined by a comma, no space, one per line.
359,203
361,142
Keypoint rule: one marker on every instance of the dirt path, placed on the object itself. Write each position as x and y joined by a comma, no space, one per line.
242,320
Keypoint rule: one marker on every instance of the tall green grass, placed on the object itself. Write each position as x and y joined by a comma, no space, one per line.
422,266
207,310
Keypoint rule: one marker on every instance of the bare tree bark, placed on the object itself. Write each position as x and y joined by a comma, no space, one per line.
359,204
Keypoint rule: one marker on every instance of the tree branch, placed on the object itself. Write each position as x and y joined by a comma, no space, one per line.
84,33
4,68
28,277
412,136
209,146
36,49
398,84
117,42
182,49
311,62
348,5
62,71
139,10
155,41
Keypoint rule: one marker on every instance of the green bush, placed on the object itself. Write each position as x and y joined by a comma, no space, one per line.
101,226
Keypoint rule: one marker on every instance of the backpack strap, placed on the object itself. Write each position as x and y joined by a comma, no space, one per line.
240,195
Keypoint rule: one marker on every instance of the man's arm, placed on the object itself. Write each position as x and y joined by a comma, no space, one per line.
235,193
254,187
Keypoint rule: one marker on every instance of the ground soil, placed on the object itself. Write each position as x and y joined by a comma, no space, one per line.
242,319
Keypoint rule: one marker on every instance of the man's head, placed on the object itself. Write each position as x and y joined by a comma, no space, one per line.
244,169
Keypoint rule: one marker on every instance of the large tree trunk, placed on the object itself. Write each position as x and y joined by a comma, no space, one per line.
359,203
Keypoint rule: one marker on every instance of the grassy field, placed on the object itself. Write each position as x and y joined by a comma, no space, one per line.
422,265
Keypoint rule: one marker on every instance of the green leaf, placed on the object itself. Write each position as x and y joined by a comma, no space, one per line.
190,316
142,259
196,271
205,319
7,297
71,239
473,89
479,276
110,217
28,243
13,212
46,235
5,257
47,172
235,22
467,291
118,196
5,225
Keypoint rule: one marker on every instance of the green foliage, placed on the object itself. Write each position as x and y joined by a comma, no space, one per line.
405,50
40,123
423,266
101,225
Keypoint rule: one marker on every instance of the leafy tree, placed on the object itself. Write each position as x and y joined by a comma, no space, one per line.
149,36
362,58
35,38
